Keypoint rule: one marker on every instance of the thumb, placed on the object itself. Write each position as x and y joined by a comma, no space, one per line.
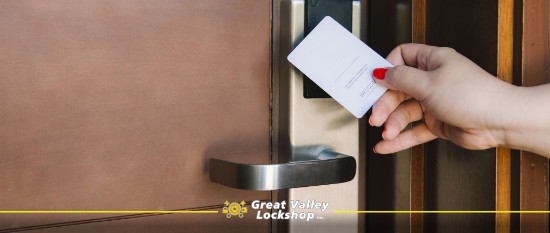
403,78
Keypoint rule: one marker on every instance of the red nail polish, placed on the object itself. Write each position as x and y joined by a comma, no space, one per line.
379,73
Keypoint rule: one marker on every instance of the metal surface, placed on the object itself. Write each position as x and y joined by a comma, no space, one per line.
315,122
313,165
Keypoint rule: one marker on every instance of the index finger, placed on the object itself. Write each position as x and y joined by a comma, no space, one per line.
415,55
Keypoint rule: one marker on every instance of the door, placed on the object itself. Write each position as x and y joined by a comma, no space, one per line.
117,105
117,116
508,39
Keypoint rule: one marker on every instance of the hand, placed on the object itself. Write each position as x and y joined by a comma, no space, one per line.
450,97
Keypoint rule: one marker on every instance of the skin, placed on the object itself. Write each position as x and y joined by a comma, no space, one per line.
450,97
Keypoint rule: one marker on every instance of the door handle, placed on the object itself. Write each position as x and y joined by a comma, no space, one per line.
312,165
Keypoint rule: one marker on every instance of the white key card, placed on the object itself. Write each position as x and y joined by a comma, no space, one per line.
340,64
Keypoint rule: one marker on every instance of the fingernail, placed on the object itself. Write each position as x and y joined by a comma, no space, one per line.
383,131
379,73
374,150
370,121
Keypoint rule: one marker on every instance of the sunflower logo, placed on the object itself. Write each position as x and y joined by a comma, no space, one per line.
234,209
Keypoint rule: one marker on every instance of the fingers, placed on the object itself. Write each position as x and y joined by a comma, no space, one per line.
438,127
409,111
385,105
415,55
409,74
404,78
417,135
408,79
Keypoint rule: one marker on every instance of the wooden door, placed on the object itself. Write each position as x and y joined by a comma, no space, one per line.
117,105
507,38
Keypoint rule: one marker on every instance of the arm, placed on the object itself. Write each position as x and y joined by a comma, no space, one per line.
527,120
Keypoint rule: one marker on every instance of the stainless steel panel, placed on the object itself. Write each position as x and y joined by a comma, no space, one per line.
315,122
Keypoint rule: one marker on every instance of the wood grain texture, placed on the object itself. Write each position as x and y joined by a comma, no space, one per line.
534,168
503,166
419,21
533,192
417,152
535,42
505,57
114,105
459,179
417,189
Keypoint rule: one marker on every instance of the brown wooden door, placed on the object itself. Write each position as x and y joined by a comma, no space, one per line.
507,38
116,105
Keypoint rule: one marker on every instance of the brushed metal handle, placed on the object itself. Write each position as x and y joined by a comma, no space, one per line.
312,165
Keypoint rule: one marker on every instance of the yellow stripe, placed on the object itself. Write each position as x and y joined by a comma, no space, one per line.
442,211
108,211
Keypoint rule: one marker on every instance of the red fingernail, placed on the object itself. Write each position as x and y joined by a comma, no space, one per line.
379,73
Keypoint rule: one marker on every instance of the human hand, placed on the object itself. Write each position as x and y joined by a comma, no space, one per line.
450,96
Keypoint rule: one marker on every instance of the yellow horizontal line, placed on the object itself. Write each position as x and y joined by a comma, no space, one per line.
442,211
108,211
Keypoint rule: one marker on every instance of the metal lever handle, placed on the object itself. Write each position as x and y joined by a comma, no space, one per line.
312,165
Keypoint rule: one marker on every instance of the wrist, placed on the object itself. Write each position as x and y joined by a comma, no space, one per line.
525,119
511,124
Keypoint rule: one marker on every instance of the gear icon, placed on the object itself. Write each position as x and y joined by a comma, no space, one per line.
235,209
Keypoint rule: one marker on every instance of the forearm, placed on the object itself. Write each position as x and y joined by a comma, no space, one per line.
527,122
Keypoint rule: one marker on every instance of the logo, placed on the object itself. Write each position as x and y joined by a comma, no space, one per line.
234,209
306,210
300,210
